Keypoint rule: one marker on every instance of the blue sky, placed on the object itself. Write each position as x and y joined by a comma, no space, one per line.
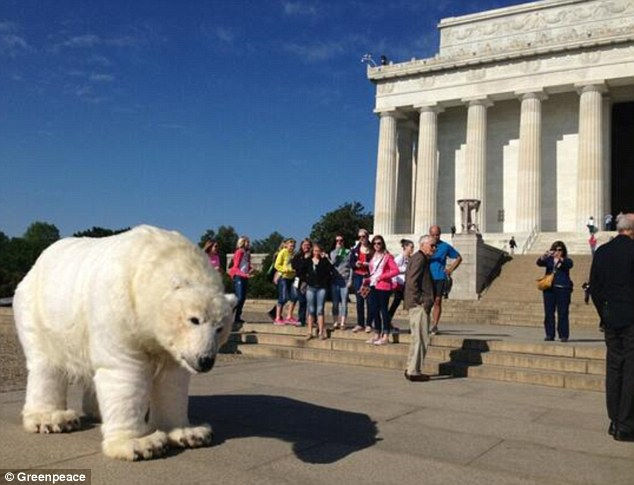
189,115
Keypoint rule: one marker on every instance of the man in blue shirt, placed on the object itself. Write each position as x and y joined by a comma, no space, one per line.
440,272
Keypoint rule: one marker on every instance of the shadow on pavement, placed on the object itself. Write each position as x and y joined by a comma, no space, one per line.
319,434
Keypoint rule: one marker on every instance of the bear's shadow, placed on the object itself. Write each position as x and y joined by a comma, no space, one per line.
319,434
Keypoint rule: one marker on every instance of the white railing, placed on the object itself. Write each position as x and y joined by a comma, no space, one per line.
530,240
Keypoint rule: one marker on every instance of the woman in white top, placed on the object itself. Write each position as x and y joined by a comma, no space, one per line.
398,282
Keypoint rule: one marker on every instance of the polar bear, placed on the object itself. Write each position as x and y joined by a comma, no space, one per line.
130,316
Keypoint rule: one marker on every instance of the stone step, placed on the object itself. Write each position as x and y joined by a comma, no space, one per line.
397,362
465,354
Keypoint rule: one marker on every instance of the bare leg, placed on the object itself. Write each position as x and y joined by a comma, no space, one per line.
278,312
309,324
291,309
437,310
320,325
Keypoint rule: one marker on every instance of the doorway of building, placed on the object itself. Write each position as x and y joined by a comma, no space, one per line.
622,158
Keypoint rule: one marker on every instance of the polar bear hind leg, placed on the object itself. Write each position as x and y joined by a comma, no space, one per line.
168,408
45,407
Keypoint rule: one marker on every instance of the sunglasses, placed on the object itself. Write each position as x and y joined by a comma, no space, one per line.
362,236
338,240
377,243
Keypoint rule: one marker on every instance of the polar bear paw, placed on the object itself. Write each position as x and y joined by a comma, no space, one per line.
61,421
133,449
193,437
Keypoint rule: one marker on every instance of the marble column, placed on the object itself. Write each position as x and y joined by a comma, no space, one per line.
386,176
425,212
590,170
475,156
404,180
529,163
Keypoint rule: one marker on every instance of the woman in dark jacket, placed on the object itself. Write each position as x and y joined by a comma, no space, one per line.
319,272
557,297
298,265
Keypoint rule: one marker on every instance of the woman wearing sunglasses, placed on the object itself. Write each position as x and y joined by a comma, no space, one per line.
382,270
557,297
359,263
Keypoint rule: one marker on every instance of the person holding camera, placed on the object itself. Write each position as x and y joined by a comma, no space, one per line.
557,297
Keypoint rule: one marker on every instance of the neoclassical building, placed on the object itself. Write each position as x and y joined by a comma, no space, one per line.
529,109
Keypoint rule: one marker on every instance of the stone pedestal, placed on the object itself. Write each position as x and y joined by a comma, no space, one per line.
480,264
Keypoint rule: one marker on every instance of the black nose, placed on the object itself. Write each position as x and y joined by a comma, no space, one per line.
205,363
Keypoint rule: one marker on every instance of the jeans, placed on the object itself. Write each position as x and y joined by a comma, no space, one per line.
339,292
379,316
556,299
286,291
398,298
357,281
315,298
240,289
301,312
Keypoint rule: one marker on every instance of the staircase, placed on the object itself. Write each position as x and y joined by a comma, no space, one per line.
548,364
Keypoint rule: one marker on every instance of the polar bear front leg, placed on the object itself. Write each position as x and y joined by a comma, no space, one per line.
168,408
123,395
45,406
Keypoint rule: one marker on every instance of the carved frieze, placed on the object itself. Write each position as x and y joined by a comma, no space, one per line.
534,28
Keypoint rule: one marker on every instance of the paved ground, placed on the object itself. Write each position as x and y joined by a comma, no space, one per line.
279,421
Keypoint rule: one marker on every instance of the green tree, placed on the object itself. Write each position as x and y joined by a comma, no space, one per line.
96,231
268,245
346,220
41,234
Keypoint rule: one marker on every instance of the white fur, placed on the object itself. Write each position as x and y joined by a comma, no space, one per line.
114,313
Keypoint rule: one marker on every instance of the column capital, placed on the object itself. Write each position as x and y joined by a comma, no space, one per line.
429,108
478,101
394,112
531,94
591,86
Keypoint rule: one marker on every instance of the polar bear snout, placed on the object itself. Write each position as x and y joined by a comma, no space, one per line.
205,363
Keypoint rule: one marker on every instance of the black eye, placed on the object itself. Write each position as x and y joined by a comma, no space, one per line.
194,320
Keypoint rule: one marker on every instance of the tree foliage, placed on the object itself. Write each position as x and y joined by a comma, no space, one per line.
346,220
18,254
97,231
268,245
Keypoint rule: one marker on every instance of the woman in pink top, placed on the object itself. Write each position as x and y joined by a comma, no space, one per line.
211,248
382,270
240,273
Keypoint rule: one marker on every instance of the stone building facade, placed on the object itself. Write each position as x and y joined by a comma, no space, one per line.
529,109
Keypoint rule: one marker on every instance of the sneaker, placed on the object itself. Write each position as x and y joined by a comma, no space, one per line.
368,329
381,341
356,329
292,321
372,340
434,330
279,321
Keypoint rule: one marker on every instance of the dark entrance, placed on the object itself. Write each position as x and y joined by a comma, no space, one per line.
623,158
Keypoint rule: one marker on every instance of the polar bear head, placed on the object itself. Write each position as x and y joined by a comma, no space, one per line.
194,322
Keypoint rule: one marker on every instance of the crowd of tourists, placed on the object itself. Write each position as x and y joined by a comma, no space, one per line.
304,278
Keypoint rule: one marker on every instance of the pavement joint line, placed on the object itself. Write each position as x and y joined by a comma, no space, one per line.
84,455
407,413
485,452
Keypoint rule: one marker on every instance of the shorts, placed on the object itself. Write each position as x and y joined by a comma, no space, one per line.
440,288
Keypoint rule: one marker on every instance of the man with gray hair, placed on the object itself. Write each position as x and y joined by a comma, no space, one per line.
418,300
612,291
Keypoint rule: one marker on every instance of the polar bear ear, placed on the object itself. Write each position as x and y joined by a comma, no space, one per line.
177,282
232,299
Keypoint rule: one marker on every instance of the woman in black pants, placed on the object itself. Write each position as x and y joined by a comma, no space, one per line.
557,297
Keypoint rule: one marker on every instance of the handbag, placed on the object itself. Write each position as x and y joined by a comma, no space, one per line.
546,281
364,291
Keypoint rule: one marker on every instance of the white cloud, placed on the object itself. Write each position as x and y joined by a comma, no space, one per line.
7,26
316,52
80,41
12,45
225,35
99,60
299,8
101,78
